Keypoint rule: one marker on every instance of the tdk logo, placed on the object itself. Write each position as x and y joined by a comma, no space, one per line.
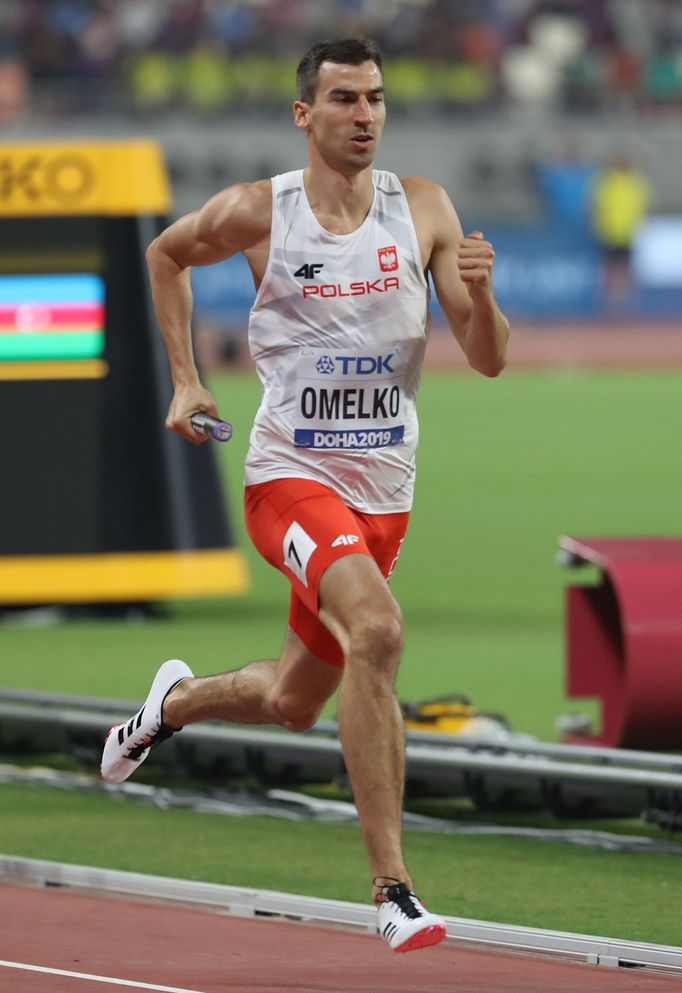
364,365
355,365
325,365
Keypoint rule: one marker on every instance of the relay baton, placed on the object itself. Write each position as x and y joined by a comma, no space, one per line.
211,426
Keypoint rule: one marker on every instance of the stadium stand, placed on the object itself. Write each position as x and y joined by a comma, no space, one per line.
457,56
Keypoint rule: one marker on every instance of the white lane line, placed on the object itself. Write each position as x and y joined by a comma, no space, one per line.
95,979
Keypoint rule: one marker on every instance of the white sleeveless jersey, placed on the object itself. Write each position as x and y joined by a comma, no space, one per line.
338,333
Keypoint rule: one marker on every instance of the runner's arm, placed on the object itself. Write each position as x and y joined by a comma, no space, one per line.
461,269
232,221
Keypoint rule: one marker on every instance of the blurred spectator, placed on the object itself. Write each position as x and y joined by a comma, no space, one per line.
663,77
232,25
13,74
181,27
206,79
151,79
99,44
621,200
565,183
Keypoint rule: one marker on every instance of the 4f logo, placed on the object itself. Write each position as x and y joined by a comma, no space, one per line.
309,270
388,258
345,539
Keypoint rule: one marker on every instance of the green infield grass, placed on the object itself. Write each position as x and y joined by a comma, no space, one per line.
506,880
504,468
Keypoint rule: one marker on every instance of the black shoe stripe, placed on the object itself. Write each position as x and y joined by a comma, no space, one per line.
131,727
139,719
121,735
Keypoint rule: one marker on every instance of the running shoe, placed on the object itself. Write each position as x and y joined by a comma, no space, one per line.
405,923
128,744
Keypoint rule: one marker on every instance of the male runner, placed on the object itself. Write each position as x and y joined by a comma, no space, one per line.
339,253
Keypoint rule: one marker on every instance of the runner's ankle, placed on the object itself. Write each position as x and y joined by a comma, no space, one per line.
381,884
171,709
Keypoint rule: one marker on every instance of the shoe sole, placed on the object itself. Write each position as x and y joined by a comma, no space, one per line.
117,781
431,935
118,778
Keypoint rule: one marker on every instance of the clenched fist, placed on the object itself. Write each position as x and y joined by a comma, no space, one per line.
475,260
187,400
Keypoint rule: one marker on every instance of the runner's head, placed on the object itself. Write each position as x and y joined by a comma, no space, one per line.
350,51
340,101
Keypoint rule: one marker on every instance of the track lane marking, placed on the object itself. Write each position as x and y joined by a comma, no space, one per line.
92,978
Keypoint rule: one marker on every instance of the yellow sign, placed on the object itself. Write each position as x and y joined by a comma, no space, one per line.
64,369
122,576
112,178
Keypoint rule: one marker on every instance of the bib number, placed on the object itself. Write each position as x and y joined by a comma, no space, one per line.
349,400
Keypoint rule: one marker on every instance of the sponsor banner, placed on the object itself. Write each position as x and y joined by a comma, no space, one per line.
110,178
544,273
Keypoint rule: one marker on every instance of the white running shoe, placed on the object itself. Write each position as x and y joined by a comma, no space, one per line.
405,923
127,745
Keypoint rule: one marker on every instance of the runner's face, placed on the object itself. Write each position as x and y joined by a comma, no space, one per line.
347,118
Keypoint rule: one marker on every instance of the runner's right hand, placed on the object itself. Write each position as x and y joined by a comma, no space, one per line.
187,401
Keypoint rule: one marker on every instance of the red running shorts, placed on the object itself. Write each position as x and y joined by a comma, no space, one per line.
300,527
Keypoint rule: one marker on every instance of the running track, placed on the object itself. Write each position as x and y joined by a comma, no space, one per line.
98,944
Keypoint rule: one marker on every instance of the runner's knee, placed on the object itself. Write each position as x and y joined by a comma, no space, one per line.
375,636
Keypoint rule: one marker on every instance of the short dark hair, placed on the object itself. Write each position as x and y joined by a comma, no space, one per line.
347,51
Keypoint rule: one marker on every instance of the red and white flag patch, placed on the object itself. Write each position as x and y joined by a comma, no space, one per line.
388,258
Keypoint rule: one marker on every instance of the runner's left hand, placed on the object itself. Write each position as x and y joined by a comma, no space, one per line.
475,258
